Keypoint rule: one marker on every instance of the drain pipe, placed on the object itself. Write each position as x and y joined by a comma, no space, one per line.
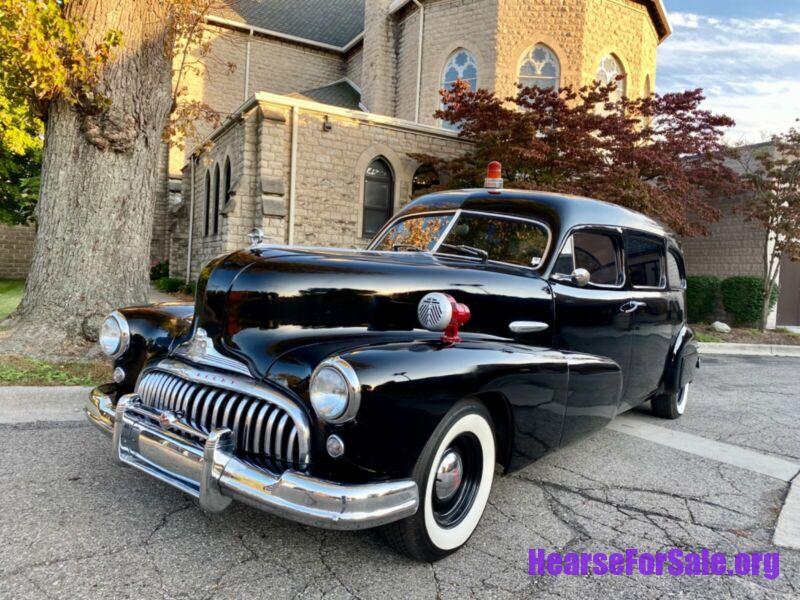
293,172
247,66
191,223
419,57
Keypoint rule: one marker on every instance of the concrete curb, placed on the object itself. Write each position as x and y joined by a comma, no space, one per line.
787,529
708,348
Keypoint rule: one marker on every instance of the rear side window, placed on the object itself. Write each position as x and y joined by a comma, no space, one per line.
645,261
675,276
593,251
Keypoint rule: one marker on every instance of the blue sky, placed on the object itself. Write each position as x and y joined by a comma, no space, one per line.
744,53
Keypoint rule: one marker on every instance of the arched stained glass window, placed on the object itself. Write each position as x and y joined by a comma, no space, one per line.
461,65
610,68
227,187
216,200
540,67
207,215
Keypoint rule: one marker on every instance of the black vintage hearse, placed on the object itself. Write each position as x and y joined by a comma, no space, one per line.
355,389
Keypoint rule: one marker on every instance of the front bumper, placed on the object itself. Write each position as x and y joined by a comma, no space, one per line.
148,439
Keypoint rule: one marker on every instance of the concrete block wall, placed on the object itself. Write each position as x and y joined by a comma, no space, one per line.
355,62
379,73
16,250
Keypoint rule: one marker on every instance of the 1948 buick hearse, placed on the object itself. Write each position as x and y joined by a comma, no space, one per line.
356,389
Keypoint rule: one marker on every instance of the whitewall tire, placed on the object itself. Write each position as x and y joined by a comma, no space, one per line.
454,475
671,406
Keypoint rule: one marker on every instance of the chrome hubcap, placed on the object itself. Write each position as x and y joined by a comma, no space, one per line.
449,475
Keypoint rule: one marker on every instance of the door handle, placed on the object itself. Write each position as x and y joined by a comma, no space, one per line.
527,326
632,306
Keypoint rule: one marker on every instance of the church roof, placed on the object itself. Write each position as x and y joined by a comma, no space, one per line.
339,93
330,22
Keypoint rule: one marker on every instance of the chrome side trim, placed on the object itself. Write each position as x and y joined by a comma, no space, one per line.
228,385
527,326
213,474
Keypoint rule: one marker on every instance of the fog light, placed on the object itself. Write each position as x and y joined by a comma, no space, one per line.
119,375
335,446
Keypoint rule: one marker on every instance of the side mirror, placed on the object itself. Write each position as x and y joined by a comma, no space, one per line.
581,277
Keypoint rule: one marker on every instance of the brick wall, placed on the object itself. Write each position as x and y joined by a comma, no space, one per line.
16,250
733,246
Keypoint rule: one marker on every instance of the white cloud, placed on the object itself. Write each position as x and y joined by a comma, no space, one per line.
749,68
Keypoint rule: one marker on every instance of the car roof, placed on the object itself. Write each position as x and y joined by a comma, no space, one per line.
561,211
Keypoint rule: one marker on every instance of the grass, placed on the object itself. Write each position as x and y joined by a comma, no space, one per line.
706,338
10,295
787,332
16,370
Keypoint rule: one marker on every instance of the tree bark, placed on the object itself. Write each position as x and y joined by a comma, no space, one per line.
99,174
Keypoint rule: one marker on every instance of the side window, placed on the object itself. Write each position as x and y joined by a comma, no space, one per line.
594,251
645,261
675,275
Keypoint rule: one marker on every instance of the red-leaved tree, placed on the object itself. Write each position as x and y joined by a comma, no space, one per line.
662,155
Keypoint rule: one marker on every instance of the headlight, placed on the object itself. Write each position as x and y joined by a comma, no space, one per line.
115,336
335,391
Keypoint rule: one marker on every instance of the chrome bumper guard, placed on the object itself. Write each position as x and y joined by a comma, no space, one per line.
147,438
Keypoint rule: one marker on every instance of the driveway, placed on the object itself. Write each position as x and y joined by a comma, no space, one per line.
76,525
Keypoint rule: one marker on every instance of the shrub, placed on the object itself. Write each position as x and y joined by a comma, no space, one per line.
159,270
702,292
741,297
169,284
189,288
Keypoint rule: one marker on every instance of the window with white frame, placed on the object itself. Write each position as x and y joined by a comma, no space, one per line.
540,67
461,65
608,71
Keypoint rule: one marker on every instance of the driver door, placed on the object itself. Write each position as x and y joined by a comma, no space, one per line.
592,318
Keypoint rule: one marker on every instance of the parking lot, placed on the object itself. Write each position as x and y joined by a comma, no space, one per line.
75,524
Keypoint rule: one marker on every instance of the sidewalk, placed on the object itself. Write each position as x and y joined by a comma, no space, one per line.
708,348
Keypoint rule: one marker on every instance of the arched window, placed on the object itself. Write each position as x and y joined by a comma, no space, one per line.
461,65
378,196
216,199
227,186
208,204
425,177
610,68
540,67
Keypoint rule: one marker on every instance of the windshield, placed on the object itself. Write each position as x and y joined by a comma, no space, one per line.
477,235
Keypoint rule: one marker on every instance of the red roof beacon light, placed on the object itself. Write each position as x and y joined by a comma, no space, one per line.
441,312
494,176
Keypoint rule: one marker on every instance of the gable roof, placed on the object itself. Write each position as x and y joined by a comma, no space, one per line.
339,93
330,22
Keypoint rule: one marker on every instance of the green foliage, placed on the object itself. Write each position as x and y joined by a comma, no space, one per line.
743,298
189,288
10,294
702,292
159,270
169,285
17,370
706,338
19,185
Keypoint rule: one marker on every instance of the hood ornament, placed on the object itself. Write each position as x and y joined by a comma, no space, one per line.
200,349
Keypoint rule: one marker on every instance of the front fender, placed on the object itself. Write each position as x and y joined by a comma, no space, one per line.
155,330
407,388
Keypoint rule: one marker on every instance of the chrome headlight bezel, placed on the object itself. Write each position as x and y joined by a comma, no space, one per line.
352,402
123,335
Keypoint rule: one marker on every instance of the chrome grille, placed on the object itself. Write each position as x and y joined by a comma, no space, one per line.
263,430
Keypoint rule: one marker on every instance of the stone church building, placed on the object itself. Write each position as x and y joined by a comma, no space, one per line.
324,100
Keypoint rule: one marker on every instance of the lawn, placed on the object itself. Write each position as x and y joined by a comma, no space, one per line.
17,370
10,295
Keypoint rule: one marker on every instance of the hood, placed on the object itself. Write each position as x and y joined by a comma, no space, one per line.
261,303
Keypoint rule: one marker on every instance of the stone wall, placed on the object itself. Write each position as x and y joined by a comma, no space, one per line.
355,61
449,25
16,250
330,174
378,73
733,246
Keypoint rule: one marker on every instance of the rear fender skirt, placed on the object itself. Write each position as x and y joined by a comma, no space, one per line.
683,361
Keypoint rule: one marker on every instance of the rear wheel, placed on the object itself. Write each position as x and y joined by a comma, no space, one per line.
671,406
454,475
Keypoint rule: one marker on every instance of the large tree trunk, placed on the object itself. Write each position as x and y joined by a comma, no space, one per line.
99,175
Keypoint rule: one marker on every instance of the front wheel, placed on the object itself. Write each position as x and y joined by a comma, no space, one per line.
671,406
454,475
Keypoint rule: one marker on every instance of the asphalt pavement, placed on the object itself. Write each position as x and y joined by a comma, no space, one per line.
76,525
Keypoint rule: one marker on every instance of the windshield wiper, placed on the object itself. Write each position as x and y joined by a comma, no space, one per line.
406,247
482,254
